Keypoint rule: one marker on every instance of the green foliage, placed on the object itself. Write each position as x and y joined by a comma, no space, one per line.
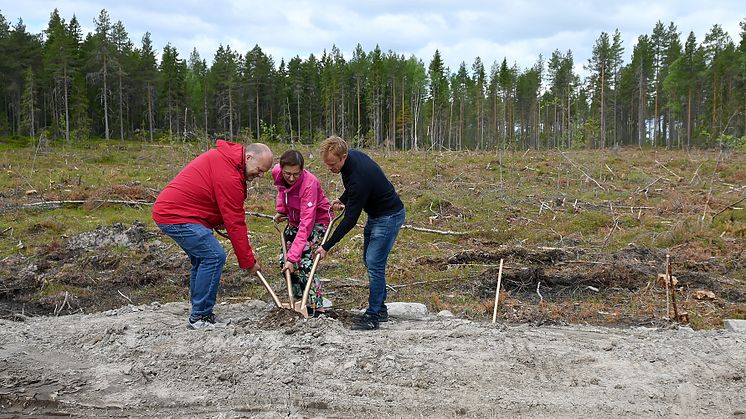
732,142
590,222
269,133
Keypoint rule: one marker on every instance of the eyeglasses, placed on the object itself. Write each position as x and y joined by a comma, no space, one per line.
290,175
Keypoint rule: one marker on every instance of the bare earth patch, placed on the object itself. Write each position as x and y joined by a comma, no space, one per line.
80,336
141,361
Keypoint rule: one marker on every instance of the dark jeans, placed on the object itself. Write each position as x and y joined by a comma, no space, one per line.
207,257
379,236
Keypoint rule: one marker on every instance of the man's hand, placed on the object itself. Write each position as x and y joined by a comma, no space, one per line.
320,251
289,266
337,205
254,269
278,218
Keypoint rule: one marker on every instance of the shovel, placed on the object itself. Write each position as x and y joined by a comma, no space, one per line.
288,282
298,306
272,293
261,277
307,290
269,288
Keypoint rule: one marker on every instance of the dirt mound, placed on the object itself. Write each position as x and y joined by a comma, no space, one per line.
133,237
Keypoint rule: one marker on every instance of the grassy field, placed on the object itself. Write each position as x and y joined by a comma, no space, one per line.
583,234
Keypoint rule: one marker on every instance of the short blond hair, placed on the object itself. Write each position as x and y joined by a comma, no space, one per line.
335,145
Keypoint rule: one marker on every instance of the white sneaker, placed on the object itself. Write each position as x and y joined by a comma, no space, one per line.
199,325
207,322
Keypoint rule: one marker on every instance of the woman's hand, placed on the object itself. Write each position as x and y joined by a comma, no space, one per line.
278,218
289,266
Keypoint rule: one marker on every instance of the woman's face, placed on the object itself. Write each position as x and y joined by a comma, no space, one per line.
291,174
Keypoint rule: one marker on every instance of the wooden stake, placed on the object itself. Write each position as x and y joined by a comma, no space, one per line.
497,291
673,290
667,280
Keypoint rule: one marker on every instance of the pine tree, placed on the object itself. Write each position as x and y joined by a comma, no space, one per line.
145,82
28,105
23,51
438,98
122,50
224,82
173,86
478,89
196,82
717,48
102,62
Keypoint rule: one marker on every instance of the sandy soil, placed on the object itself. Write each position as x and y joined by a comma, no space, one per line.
142,361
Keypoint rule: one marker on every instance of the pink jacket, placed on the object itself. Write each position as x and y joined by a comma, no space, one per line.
304,203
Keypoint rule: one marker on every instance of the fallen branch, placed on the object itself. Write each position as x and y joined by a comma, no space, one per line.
260,215
712,181
424,282
252,213
679,178
405,226
696,174
613,227
81,202
125,297
430,230
646,187
727,207
582,171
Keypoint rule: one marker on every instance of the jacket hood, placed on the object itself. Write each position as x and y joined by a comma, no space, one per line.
233,153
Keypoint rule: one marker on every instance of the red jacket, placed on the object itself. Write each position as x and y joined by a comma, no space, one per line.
210,191
305,205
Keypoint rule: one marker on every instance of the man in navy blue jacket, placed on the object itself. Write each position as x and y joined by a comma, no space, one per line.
366,189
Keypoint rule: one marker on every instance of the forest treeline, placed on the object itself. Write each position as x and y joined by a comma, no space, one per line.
61,84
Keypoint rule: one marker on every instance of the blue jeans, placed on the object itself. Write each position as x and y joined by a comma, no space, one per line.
379,236
207,257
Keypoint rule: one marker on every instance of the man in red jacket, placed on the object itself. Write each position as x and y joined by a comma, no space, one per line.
207,193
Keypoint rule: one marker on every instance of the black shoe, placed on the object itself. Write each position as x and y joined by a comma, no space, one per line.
383,316
365,322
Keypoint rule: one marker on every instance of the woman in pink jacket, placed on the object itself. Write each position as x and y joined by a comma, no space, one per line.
301,201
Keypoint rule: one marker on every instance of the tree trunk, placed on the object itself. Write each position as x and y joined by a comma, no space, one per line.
67,107
641,111
106,103
358,110
150,111
121,108
204,94
655,112
603,107
230,111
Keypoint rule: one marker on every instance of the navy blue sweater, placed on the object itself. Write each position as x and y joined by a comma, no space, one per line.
366,188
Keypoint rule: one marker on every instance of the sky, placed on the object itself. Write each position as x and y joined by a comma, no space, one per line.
517,30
